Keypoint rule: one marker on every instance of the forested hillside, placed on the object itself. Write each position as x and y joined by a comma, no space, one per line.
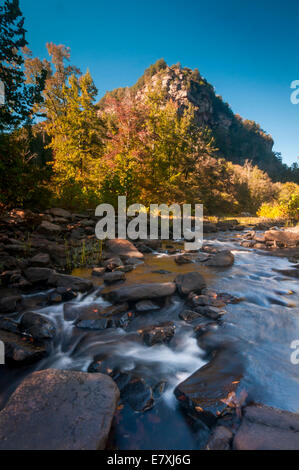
167,139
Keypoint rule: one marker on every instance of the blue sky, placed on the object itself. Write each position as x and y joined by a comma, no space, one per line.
249,50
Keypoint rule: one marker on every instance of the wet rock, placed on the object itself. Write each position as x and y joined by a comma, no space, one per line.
59,410
115,276
183,259
211,312
288,272
95,317
8,324
209,227
40,260
134,391
190,282
57,212
189,315
20,349
265,428
70,282
34,301
141,292
9,304
98,272
112,263
123,248
38,275
146,306
47,228
157,334
206,392
222,259
221,439
37,326
61,294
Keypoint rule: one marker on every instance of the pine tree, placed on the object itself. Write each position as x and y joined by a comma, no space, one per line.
19,96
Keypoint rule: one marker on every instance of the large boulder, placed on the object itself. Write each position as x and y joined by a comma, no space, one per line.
124,248
265,428
141,292
59,410
190,282
206,392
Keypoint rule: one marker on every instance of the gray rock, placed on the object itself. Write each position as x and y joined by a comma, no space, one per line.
95,317
190,282
40,260
221,439
183,259
70,282
115,276
98,272
37,326
39,275
141,292
59,410
157,334
21,350
47,228
265,428
57,212
9,304
112,263
205,392
146,306
222,259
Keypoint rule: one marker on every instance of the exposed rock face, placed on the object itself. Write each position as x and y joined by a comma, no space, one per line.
141,292
123,248
236,139
59,410
265,428
190,282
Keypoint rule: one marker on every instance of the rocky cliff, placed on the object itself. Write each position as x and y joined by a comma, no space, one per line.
236,139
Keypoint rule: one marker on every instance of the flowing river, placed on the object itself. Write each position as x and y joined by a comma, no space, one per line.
261,327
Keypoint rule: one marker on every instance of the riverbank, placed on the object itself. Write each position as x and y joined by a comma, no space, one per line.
160,323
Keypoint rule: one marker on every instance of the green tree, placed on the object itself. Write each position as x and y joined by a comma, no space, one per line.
77,134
